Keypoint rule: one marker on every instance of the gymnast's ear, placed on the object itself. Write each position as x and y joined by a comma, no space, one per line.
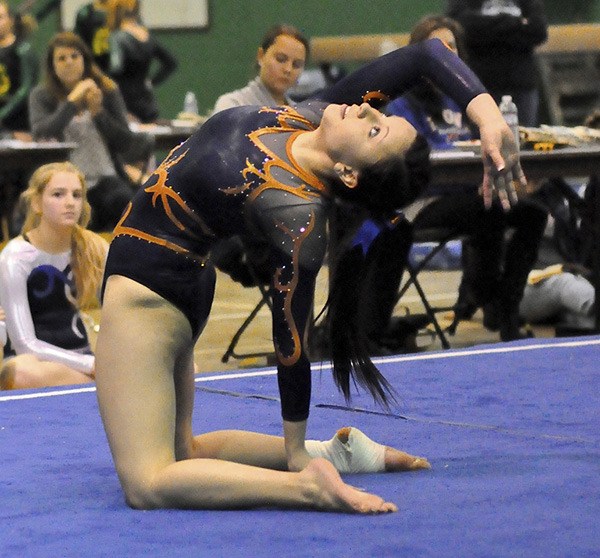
346,174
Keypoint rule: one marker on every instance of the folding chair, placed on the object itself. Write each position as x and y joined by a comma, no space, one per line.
440,237
231,352
231,257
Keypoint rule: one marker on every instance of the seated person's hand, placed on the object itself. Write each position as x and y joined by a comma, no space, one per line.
77,94
93,99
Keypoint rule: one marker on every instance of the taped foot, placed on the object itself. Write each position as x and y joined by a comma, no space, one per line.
352,451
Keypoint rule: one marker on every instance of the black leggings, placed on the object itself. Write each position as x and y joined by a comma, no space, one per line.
497,268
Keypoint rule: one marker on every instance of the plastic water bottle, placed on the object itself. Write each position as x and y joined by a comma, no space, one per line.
190,103
511,115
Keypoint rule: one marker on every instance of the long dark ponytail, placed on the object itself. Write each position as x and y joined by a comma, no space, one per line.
381,192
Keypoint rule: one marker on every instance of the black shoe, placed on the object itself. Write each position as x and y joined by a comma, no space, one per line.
401,334
510,326
491,316
462,311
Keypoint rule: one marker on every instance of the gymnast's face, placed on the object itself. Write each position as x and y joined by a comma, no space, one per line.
61,202
358,135
281,64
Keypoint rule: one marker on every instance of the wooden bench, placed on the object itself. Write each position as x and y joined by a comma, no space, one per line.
361,48
569,65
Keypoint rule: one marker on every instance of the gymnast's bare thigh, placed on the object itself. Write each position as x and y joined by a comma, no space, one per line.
143,350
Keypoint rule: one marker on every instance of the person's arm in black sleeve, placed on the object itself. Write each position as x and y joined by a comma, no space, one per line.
296,234
297,260
112,122
167,63
400,70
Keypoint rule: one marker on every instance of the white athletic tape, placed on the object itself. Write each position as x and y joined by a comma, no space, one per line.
359,454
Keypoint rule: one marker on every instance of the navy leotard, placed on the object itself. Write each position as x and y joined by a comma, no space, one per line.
236,176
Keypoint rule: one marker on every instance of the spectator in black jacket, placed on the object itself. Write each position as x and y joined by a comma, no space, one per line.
133,53
501,36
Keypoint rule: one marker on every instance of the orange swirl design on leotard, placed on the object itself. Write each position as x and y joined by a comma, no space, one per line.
166,194
285,116
288,289
310,187
376,98
163,192
120,229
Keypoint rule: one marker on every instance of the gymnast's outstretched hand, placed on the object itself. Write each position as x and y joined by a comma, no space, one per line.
501,166
499,152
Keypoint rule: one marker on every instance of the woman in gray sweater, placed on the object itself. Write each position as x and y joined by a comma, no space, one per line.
78,103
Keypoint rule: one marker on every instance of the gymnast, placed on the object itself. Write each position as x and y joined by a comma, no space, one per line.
268,174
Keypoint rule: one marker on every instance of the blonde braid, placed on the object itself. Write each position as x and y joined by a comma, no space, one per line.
87,262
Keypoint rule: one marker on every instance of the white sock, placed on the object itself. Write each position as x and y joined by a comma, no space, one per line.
359,454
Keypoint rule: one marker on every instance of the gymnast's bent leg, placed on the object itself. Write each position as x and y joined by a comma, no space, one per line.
142,354
350,451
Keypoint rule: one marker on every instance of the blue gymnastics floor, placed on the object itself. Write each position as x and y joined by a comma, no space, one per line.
512,432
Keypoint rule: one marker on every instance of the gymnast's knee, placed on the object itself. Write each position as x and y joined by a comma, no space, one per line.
143,490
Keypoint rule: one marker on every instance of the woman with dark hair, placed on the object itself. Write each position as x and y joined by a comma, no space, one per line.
495,269
77,102
502,36
267,175
280,59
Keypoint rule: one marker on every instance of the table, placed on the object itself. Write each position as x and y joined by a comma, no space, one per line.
168,134
27,156
455,167
451,167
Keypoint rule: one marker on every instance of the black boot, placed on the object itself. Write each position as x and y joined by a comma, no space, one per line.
464,308
505,319
510,325
491,315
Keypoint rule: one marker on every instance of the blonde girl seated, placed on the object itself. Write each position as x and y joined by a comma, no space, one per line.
49,274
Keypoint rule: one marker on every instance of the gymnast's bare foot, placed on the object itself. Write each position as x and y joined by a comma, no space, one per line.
332,494
394,460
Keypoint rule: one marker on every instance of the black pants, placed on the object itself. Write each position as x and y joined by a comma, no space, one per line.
503,245
497,266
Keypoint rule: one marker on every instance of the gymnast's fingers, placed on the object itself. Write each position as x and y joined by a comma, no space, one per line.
487,190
